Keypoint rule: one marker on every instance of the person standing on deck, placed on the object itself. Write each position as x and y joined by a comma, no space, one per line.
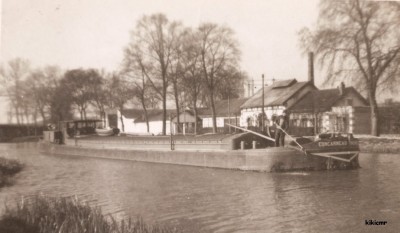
279,134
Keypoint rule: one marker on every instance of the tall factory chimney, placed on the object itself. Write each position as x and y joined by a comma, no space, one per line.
311,67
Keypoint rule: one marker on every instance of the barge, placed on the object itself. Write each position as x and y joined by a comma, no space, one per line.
244,151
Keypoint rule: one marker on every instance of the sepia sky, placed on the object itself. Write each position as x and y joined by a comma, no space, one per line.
93,33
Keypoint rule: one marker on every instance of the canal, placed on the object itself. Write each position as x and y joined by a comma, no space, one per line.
216,200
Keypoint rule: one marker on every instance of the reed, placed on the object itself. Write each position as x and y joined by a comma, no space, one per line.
68,215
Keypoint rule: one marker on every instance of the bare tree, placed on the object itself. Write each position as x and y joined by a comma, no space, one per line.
191,82
82,85
40,86
359,40
120,92
233,83
176,69
136,71
154,37
99,90
11,77
218,50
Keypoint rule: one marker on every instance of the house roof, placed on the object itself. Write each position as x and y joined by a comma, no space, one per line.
222,108
276,94
132,113
153,114
322,100
185,116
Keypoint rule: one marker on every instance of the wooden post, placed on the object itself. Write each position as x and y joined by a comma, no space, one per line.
262,106
329,166
229,111
170,132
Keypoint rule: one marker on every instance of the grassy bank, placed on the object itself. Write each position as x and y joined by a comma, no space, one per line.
67,215
8,168
26,139
380,145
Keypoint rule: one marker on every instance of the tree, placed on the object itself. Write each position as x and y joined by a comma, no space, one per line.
360,40
233,84
191,82
135,70
153,39
218,51
41,85
99,91
120,92
11,78
81,85
60,105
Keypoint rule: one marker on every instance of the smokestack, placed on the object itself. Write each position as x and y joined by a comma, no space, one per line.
311,67
341,88
248,90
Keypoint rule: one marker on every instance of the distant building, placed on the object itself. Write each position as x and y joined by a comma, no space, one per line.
389,117
277,97
135,122
227,111
187,122
341,109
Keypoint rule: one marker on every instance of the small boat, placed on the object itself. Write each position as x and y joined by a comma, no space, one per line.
105,132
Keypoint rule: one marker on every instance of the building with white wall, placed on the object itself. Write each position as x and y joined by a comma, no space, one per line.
277,97
135,122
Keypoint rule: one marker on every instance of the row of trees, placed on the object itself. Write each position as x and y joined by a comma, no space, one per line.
196,65
163,60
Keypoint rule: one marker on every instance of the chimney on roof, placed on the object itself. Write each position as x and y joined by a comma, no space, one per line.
341,88
311,67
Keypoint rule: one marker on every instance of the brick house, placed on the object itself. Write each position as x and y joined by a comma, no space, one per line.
341,109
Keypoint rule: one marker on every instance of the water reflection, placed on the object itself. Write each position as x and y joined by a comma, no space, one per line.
216,200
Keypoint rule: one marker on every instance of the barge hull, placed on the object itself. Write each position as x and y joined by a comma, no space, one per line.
263,160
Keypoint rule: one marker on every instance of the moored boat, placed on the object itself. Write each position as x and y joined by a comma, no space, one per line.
341,150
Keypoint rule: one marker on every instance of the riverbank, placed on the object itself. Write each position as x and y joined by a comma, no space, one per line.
383,144
67,215
8,168
26,139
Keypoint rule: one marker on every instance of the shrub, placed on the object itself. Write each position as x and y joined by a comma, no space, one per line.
10,166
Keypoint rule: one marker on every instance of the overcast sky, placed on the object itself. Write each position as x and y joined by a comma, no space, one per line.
93,33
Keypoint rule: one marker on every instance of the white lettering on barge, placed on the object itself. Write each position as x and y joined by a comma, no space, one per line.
333,143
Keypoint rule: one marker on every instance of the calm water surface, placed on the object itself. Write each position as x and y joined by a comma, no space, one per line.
217,200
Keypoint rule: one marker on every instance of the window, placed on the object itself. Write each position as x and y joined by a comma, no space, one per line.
207,122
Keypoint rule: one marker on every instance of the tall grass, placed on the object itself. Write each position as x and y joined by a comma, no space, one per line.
8,168
68,215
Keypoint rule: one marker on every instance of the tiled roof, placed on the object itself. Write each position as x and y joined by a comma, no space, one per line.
321,100
276,94
283,83
222,108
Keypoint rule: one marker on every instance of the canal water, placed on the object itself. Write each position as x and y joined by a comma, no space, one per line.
215,200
